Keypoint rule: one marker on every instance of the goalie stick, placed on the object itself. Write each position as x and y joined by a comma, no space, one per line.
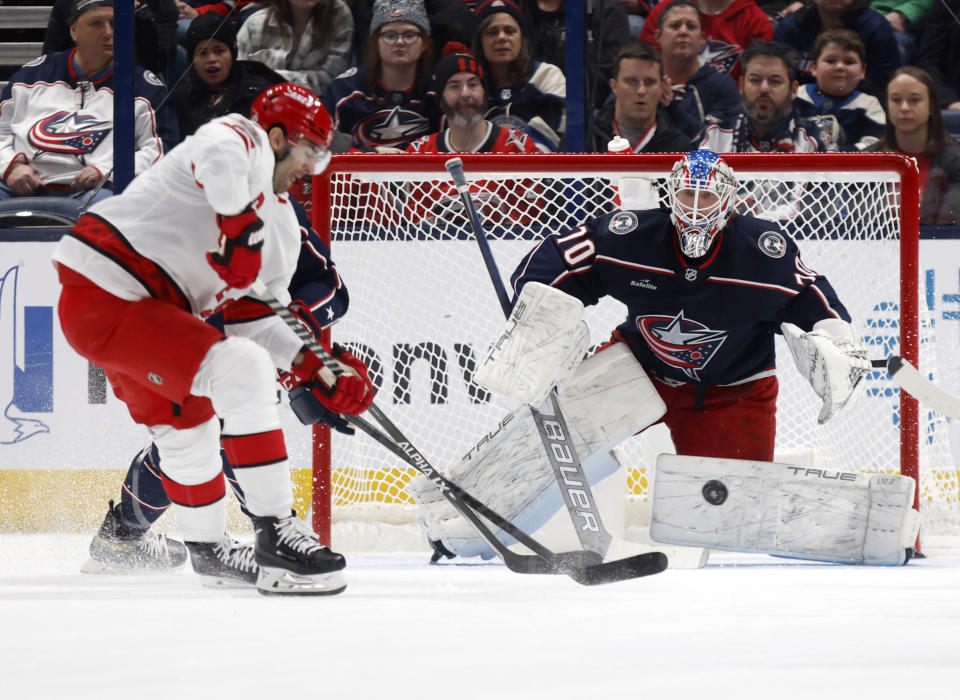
584,567
921,388
593,536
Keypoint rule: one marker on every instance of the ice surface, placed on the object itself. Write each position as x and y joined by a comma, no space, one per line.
744,627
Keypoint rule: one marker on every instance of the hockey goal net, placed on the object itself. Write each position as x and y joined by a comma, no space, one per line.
423,310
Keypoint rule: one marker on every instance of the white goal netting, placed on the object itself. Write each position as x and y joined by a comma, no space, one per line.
422,307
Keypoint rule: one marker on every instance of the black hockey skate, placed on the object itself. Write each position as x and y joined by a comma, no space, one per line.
293,561
226,564
117,548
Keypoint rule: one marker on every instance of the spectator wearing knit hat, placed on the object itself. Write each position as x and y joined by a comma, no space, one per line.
217,83
308,43
458,81
450,21
386,103
524,94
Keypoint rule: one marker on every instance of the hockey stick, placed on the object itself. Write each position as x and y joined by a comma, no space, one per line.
921,388
553,430
583,567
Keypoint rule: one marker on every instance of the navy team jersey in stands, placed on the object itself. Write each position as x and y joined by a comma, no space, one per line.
791,135
709,322
536,107
375,116
860,115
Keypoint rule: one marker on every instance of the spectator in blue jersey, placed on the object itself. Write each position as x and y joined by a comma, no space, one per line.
607,31
638,110
217,83
308,42
525,95
702,94
124,543
386,103
800,31
768,122
56,115
839,62
915,128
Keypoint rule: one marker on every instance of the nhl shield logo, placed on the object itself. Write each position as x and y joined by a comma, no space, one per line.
773,244
624,222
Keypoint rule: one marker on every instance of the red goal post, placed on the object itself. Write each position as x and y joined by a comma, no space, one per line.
398,236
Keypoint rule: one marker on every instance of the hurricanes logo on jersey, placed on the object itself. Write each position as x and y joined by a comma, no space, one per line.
681,343
69,132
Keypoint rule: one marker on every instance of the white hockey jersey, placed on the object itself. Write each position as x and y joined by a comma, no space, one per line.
60,121
168,215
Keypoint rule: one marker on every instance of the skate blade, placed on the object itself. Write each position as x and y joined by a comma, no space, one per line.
274,581
217,582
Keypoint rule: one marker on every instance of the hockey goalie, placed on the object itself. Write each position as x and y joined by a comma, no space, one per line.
706,290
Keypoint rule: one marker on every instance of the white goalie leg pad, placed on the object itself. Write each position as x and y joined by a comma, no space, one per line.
831,358
782,509
543,342
608,399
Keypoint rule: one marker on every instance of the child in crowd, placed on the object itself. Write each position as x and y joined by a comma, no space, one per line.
839,64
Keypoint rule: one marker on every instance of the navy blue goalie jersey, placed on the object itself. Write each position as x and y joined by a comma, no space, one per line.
710,321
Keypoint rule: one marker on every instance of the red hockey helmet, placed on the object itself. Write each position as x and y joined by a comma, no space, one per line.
300,113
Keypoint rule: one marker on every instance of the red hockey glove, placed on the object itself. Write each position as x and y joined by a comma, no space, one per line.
237,260
352,392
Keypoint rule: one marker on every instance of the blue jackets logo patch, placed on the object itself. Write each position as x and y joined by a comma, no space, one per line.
69,132
772,244
395,127
681,343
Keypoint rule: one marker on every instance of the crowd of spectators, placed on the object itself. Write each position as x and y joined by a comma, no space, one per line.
732,75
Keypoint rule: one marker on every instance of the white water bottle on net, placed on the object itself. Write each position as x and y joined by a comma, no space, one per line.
631,192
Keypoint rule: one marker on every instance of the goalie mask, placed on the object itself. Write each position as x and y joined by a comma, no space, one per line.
303,118
702,190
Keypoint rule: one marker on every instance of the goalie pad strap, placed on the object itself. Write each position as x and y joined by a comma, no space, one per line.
782,509
544,340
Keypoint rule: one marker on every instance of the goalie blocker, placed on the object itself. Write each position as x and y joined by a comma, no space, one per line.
784,510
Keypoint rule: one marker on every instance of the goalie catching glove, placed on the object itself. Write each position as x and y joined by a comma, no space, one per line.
237,258
347,391
831,358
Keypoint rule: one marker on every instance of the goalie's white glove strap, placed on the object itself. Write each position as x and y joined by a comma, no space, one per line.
831,358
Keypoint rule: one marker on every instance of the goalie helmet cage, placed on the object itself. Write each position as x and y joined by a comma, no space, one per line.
422,309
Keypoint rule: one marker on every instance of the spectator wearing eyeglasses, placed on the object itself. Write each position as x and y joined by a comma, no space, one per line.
386,103
308,42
